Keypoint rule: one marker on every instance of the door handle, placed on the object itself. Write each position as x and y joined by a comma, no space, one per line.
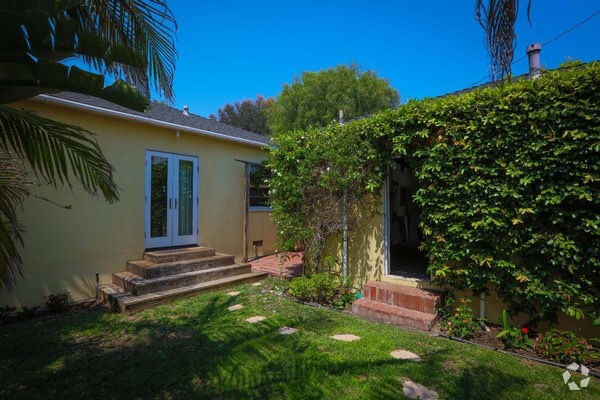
170,203
176,201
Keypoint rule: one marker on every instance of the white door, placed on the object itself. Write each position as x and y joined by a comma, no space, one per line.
171,196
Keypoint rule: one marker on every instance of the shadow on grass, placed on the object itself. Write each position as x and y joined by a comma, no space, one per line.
198,349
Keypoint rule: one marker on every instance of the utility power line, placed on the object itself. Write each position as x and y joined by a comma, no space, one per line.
544,44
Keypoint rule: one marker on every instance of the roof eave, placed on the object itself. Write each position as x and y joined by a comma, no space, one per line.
43,98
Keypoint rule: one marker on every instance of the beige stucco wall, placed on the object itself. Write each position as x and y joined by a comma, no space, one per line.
64,248
261,227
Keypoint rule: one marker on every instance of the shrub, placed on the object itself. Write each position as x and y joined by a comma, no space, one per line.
301,288
513,337
27,312
5,312
456,318
565,347
343,298
324,289
57,302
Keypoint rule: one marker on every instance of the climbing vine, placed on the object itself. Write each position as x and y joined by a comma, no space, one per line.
509,186
316,176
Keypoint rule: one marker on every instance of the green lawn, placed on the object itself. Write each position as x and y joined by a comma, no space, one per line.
197,349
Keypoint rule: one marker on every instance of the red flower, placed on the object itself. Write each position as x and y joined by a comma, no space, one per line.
525,330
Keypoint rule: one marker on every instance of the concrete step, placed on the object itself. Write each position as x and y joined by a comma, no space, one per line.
137,285
426,301
184,253
149,269
394,315
128,303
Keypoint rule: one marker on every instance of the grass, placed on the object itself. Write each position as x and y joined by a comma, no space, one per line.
197,349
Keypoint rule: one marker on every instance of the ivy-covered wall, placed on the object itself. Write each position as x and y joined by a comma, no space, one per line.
510,192
510,185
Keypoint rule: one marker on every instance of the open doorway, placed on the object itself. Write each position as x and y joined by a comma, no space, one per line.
404,236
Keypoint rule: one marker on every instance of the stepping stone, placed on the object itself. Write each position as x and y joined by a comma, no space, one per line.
256,319
405,355
233,293
286,330
256,284
414,390
236,307
345,337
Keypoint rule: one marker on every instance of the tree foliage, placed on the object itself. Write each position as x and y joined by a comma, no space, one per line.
315,98
132,40
247,114
510,185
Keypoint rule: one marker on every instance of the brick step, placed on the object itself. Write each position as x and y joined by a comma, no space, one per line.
399,316
149,269
422,300
127,303
138,286
184,253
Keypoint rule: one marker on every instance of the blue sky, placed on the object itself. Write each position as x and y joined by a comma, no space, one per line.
233,50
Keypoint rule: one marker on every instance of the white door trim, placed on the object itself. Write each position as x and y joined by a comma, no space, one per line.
172,202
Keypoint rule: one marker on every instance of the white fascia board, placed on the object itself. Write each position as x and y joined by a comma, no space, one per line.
118,114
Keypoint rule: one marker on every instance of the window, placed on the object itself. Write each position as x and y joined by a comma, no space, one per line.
258,191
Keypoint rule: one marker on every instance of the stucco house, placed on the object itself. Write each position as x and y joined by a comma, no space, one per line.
184,181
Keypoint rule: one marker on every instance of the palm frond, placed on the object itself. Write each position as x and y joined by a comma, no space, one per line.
146,26
56,151
130,39
13,190
498,19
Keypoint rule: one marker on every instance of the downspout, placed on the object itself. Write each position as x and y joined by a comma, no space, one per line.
482,306
97,285
345,237
246,197
344,220
482,312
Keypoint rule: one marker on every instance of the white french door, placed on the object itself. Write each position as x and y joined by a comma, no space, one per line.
171,200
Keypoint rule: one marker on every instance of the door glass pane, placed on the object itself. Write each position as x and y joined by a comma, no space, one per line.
186,197
158,196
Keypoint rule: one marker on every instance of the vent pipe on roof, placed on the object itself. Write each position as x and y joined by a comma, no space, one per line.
535,68
185,110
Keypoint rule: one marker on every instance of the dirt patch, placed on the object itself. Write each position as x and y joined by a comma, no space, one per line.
450,366
540,387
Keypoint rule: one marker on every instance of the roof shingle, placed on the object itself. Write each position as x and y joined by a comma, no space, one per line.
163,113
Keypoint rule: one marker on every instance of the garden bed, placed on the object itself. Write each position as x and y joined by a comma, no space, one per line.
488,338
322,289
287,295
44,313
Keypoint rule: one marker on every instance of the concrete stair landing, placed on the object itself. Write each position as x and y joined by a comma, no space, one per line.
166,275
398,305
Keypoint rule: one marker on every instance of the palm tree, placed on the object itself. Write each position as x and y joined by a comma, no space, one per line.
130,40
498,17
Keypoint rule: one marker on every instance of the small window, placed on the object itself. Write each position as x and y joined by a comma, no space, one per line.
258,191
